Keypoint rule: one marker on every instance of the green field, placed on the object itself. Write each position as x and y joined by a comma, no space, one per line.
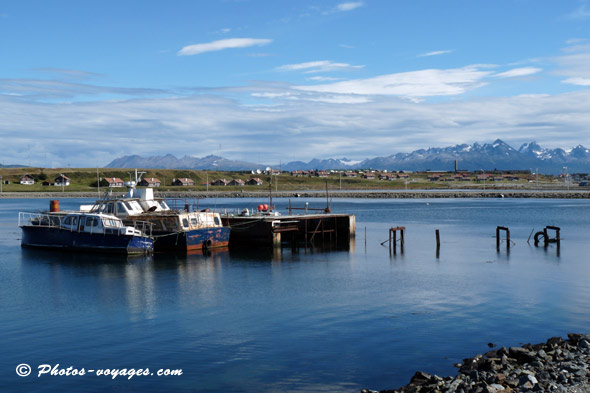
85,179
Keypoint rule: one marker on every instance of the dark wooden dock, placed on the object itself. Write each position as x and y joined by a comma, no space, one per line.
290,230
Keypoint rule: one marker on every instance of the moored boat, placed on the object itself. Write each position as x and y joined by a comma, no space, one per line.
172,229
78,231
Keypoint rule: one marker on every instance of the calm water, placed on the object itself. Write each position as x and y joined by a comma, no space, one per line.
296,321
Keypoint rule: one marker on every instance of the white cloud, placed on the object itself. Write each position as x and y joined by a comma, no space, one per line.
516,72
435,53
577,81
229,43
423,83
318,66
312,124
574,64
322,79
349,6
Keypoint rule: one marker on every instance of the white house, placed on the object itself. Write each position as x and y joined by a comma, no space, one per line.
27,180
62,180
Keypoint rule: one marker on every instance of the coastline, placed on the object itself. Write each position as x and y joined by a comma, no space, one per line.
557,365
376,194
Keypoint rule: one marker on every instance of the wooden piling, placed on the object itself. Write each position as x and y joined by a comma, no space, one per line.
393,238
505,229
437,233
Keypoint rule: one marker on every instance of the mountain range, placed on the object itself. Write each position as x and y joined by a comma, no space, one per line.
497,155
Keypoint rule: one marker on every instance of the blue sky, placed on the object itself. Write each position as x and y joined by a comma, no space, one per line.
82,83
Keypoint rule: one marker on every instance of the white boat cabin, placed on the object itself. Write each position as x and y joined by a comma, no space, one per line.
180,221
137,201
97,223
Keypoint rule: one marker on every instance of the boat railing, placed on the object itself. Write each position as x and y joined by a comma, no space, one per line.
54,221
144,227
38,219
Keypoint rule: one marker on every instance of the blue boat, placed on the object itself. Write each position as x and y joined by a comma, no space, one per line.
173,230
80,231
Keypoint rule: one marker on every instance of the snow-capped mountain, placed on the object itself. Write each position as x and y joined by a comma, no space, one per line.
169,161
488,156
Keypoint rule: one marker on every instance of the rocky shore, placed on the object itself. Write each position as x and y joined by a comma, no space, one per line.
557,365
333,194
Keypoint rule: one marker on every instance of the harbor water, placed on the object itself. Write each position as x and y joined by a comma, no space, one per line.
295,320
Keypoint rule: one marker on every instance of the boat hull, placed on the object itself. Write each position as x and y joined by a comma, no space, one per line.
192,240
65,239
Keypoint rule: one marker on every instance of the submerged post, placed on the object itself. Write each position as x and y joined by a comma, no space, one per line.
544,235
437,233
505,229
393,238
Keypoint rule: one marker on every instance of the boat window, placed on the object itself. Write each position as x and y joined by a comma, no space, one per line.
185,222
121,207
75,221
128,205
92,221
68,220
110,208
109,223
194,221
217,221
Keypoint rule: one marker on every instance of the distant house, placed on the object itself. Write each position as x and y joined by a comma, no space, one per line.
183,181
255,181
349,174
220,182
114,182
322,174
369,176
46,183
387,176
237,182
61,180
150,182
27,180
299,173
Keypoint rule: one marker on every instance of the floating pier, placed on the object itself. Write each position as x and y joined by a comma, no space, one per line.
294,230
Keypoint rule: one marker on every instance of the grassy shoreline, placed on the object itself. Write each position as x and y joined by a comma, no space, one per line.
381,194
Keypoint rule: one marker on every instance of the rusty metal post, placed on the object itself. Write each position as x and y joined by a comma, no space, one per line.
505,229
507,239
393,242
437,233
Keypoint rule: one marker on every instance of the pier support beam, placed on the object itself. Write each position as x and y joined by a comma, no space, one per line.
544,235
437,233
505,229
393,238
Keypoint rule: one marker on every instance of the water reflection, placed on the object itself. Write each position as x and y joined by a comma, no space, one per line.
304,319
144,283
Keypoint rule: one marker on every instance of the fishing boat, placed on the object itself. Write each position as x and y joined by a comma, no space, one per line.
79,231
172,229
